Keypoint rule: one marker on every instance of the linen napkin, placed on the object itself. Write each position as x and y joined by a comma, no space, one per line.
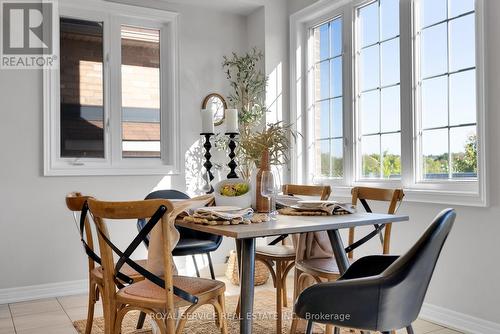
155,262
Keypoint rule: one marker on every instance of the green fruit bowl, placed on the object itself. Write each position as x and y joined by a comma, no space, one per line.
233,192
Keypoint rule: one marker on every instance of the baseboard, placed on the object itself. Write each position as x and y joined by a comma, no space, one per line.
459,321
13,295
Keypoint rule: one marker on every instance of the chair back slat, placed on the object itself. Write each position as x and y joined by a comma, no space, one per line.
393,196
75,202
323,192
102,211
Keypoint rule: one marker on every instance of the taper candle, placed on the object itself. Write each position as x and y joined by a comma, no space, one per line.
207,121
232,121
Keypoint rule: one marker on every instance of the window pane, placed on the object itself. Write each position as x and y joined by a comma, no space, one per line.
390,62
140,92
336,77
370,148
459,7
435,102
432,11
81,91
390,110
324,50
463,151
323,119
389,17
336,37
368,23
462,43
369,68
391,151
336,117
463,98
323,76
434,51
370,112
435,154
324,161
337,154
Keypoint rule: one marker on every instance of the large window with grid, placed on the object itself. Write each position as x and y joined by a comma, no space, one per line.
328,104
394,97
446,102
378,90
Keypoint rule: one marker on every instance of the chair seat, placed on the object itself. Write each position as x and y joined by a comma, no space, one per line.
279,252
188,246
323,267
97,272
149,294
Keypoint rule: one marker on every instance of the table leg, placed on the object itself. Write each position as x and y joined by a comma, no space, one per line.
338,250
247,284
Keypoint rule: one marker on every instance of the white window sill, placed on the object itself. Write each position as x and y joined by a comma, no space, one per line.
461,198
109,171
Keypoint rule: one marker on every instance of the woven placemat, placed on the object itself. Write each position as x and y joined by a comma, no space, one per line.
294,212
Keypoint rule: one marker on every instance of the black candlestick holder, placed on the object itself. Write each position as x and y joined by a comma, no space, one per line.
208,165
232,164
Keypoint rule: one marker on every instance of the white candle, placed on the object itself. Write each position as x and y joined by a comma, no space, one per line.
207,121
232,121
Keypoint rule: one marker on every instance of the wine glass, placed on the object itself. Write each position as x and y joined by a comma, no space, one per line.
270,187
206,186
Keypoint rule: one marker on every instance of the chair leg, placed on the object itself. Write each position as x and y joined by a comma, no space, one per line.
309,327
211,266
140,321
196,266
336,330
409,329
90,308
279,297
223,321
329,329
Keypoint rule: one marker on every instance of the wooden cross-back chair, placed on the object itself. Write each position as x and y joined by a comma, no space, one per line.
156,296
282,255
77,204
326,269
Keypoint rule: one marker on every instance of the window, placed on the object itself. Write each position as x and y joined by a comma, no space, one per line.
447,85
81,89
140,92
393,97
329,142
377,90
108,108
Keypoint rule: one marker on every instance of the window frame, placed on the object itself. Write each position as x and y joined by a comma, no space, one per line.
457,192
114,15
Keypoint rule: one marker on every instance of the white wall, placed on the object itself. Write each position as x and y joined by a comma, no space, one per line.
38,240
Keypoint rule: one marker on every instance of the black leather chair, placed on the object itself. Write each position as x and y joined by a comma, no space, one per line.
191,242
379,293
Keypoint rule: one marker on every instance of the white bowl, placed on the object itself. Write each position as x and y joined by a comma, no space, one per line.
244,201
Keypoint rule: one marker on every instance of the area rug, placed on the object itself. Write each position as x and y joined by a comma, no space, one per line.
202,323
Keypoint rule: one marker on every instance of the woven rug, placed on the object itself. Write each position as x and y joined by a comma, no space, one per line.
264,323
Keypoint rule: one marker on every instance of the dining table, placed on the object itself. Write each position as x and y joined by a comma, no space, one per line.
246,235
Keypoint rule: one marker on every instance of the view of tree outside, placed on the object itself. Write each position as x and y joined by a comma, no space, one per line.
446,115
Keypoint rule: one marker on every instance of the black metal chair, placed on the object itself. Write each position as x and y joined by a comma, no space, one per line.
191,242
379,293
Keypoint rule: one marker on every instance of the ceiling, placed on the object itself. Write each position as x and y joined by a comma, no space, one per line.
241,7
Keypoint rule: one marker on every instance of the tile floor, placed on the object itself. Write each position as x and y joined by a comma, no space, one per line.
55,315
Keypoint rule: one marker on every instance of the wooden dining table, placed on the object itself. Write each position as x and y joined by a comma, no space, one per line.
246,235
